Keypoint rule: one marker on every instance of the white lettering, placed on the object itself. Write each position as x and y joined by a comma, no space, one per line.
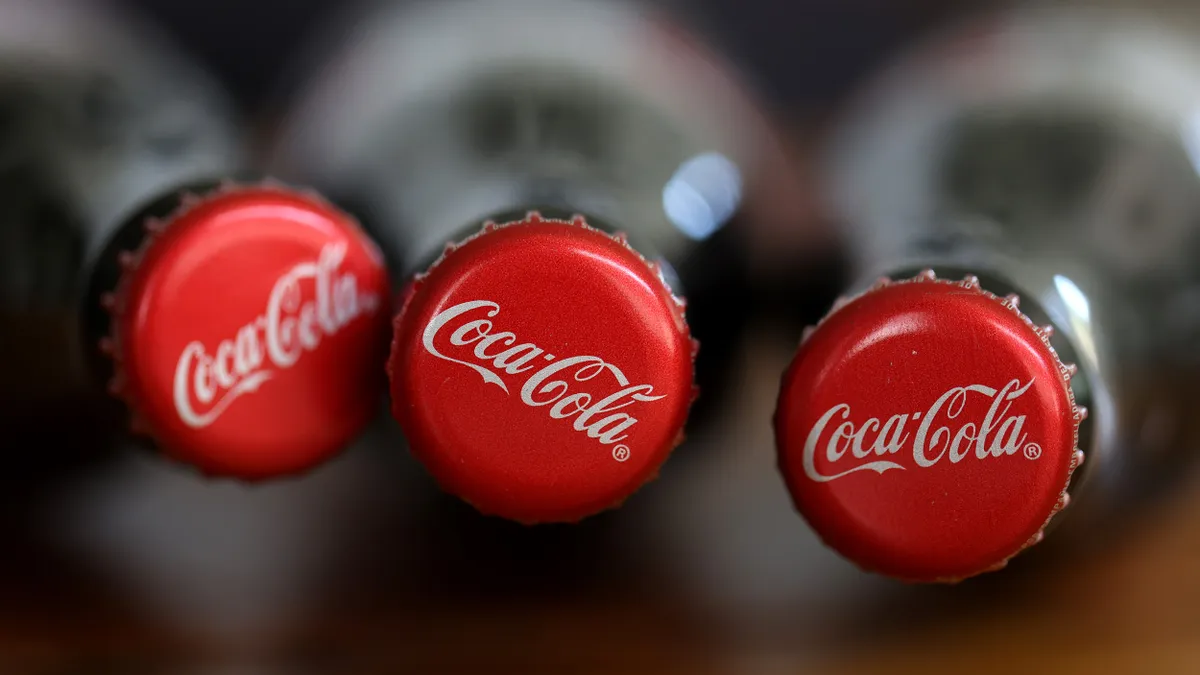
552,384
996,435
289,327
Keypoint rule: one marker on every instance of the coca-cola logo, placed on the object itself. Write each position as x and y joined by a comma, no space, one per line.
550,382
308,303
940,435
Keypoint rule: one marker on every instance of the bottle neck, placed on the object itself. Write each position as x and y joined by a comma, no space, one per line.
103,135
555,210
94,116
1055,287
528,134
501,199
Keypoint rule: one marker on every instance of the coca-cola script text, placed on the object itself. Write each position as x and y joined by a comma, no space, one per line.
292,324
997,434
497,352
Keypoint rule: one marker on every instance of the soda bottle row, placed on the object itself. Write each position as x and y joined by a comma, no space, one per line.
492,224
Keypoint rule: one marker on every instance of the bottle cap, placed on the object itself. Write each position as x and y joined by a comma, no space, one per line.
542,370
927,430
248,329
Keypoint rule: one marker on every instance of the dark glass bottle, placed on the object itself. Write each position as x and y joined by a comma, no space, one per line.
426,127
1048,152
156,296
428,119
91,126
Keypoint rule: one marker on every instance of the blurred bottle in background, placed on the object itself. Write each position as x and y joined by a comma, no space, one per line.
91,128
240,327
742,551
1045,152
135,251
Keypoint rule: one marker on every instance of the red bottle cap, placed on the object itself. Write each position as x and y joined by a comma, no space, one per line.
248,330
542,370
927,430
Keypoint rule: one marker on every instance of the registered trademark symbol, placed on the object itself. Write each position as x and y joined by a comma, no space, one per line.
621,453
1033,451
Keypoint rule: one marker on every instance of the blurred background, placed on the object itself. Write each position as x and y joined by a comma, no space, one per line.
363,567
